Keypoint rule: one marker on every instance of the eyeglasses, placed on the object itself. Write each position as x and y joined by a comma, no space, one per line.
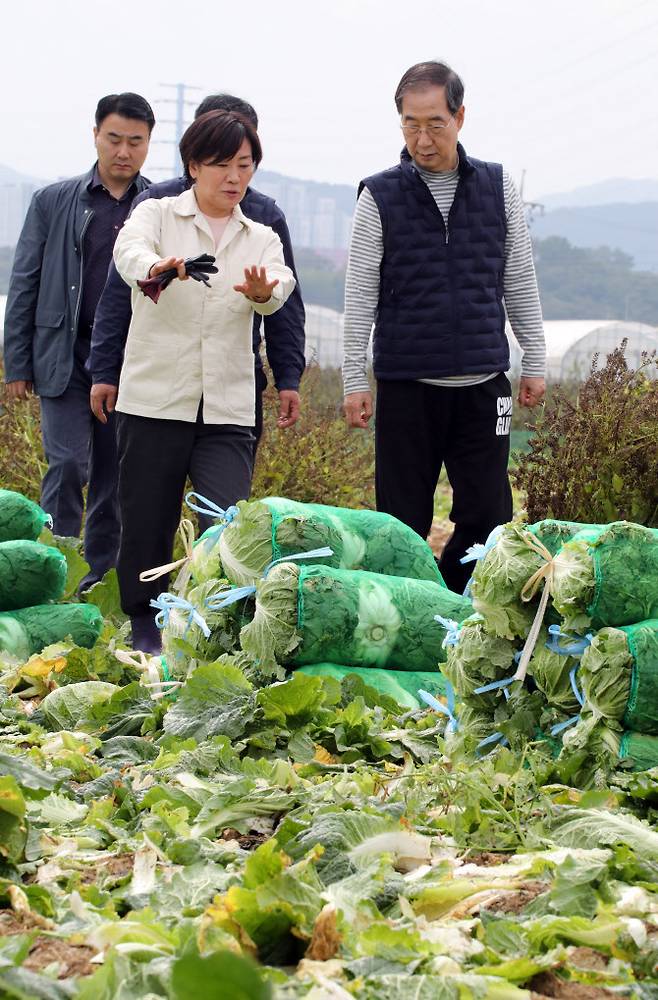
432,130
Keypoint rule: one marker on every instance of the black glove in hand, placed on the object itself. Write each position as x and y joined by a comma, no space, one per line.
196,267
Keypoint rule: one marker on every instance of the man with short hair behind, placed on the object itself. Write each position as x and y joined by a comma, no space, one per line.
59,272
284,330
440,250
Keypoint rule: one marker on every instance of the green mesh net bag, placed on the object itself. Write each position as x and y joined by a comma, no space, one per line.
49,623
642,750
619,676
14,640
261,531
402,685
30,573
511,557
607,575
317,614
20,517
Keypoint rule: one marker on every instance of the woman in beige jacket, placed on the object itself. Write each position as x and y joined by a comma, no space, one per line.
186,393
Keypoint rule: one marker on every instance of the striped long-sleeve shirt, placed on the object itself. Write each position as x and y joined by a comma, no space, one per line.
363,271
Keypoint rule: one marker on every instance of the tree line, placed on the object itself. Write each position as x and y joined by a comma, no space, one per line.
574,282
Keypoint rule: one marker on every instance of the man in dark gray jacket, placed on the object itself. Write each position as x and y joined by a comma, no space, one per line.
59,272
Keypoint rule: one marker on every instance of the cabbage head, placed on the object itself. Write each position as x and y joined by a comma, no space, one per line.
499,578
605,674
69,707
245,545
477,659
574,584
272,634
551,675
206,564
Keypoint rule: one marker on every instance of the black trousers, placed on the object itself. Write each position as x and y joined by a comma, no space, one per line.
81,452
155,458
418,429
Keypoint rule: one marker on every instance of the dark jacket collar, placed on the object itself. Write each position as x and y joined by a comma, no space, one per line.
464,165
87,181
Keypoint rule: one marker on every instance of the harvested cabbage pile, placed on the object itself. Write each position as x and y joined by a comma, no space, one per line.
317,614
275,528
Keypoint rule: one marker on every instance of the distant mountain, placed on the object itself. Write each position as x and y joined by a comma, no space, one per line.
632,228
611,192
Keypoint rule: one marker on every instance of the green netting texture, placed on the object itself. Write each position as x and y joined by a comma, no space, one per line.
48,623
641,713
555,533
608,576
642,750
14,639
372,620
30,573
20,517
403,685
360,539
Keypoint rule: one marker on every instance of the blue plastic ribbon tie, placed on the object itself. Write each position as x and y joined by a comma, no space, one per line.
575,646
556,730
574,686
166,603
438,706
479,550
494,686
474,553
313,554
210,508
222,599
494,738
452,628
561,726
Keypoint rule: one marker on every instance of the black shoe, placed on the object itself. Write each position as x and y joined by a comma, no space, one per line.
146,635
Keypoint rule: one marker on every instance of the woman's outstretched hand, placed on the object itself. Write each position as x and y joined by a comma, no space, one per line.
256,286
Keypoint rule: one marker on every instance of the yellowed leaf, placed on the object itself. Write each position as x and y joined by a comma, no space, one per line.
36,666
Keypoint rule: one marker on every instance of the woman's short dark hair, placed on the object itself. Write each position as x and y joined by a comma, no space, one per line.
432,74
128,106
216,137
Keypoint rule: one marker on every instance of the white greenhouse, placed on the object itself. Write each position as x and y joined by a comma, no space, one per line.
572,343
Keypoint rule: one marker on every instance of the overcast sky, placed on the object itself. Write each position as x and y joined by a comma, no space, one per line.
565,89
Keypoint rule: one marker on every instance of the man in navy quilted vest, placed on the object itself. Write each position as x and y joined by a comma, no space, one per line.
440,253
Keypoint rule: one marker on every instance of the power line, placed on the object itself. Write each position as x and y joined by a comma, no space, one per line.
178,121
602,48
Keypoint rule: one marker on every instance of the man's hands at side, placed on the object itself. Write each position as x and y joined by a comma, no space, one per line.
288,408
358,408
103,399
20,389
531,391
